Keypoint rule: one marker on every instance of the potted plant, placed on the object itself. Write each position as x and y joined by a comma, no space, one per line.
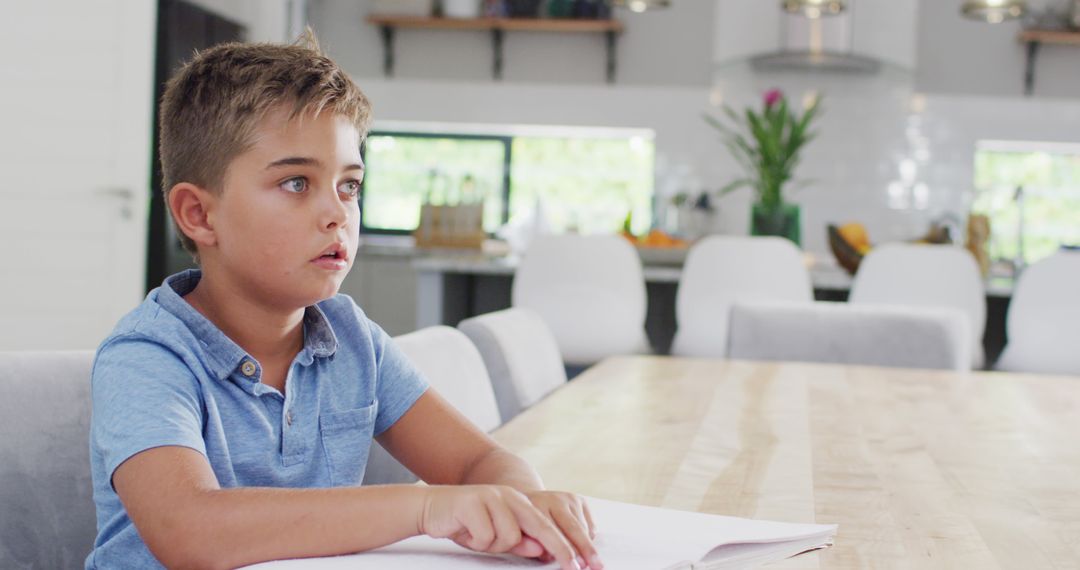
766,144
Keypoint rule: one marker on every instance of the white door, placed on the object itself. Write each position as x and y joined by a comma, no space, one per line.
76,112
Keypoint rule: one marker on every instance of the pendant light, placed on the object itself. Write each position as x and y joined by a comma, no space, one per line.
994,11
641,5
813,8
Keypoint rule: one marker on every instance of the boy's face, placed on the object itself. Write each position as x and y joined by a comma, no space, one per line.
287,202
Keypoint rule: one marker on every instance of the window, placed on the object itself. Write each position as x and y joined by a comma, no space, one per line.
1047,213
589,181
589,185
402,171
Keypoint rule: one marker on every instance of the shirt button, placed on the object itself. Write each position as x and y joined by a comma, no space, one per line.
288,418
248,368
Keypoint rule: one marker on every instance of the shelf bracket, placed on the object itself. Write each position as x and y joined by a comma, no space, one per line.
497,51
1029,67
388,50
610,35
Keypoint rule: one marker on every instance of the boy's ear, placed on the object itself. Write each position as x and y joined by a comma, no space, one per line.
190,206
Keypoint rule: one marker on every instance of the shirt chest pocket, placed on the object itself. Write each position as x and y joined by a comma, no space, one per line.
346,439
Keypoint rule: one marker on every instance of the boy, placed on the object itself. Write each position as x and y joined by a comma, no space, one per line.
234,408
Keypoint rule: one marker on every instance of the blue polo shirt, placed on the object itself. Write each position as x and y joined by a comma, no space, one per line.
167,376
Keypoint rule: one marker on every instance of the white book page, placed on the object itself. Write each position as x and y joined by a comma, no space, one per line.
629,537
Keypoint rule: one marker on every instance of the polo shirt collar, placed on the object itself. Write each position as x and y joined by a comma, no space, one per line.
225,356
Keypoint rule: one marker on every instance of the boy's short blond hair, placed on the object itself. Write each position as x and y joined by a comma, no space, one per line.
213,105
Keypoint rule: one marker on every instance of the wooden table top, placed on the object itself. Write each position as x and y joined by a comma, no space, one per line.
921,469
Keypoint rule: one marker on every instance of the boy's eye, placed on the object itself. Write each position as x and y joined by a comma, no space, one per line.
350,188
295,185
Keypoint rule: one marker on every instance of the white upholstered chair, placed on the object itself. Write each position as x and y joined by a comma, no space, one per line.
872,335
1043,324
590,291
46,494
454,368
925,276
521,356
721,270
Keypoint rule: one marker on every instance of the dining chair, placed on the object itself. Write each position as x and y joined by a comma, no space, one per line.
521,356
589,290
913,275
842,333
721,270
453,367
47,517
1043,323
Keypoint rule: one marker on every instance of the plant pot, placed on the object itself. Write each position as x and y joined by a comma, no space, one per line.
782,221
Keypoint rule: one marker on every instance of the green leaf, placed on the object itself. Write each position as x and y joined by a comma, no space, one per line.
733,186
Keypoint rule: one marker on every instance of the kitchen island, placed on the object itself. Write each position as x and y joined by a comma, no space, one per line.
454,285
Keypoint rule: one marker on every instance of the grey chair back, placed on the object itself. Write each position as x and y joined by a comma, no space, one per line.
454,368
841,333
46,495
521,355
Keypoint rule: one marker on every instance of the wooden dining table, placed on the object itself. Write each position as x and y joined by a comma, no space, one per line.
921,469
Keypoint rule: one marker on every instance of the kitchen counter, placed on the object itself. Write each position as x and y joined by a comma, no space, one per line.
451,285
823,276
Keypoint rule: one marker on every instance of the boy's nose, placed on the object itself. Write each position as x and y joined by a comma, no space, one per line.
335,211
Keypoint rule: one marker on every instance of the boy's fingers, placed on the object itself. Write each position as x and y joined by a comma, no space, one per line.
479,526
575,530
461,538
544,531
507,530
529,548
588,518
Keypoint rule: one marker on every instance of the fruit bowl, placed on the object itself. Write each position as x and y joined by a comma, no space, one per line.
846,254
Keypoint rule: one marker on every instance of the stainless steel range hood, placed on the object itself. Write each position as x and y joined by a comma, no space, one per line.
821,43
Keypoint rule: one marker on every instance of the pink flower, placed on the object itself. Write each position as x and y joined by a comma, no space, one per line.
772,96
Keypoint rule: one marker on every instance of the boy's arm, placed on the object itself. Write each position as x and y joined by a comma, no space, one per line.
187,520
438,444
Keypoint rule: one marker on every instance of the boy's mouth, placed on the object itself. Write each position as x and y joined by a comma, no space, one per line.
334,257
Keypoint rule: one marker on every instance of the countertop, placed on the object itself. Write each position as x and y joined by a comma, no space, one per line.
825,274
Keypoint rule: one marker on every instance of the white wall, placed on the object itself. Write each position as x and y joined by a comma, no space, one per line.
265,20
961,56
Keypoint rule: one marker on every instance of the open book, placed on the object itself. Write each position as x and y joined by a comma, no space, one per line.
629,537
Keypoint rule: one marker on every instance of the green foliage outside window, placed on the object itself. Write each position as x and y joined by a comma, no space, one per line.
584,184
403,171
1051,183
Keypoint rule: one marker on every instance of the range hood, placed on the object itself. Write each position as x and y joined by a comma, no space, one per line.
823,43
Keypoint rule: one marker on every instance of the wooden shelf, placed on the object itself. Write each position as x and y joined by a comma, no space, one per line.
1033,39
497,27
1061,37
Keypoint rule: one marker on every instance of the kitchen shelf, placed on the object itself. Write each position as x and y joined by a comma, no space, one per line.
1034,39
498,27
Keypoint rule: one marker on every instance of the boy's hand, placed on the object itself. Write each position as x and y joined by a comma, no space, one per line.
496,519
570,513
